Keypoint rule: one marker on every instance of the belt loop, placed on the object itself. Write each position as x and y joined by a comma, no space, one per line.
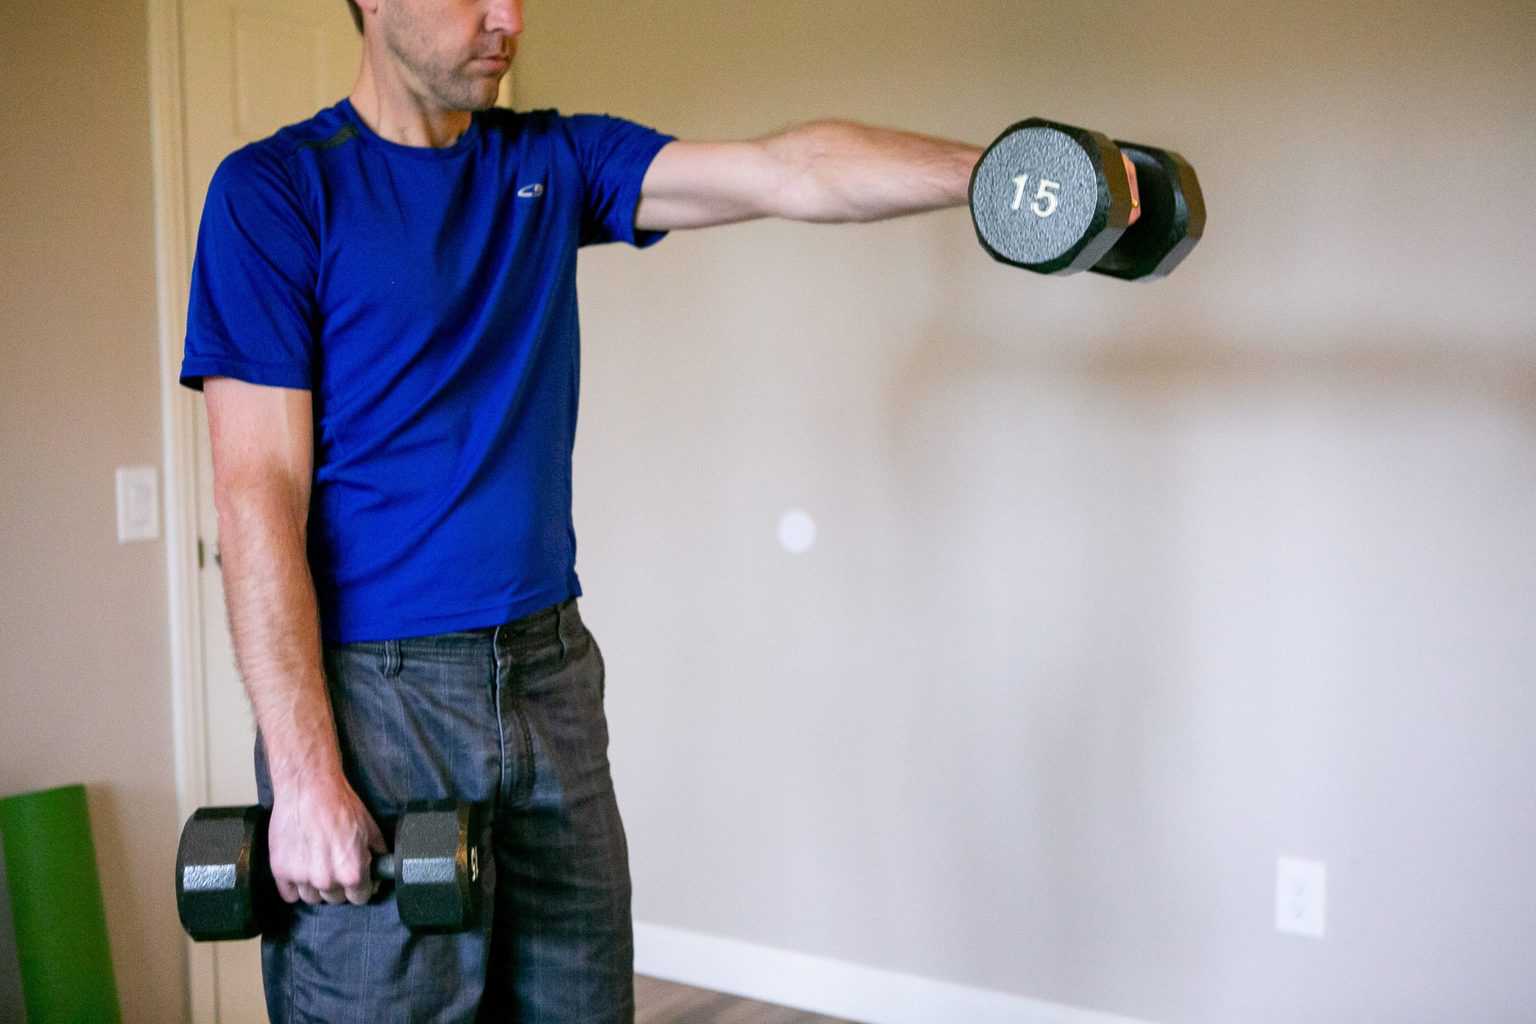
392,659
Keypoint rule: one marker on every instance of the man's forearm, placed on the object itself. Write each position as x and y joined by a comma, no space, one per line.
275,625
841,171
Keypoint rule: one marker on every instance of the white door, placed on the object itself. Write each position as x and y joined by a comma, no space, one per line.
250,67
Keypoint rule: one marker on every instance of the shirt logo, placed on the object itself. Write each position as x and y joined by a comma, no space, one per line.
530,192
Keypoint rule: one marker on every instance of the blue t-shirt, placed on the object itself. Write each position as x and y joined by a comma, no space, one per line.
427,299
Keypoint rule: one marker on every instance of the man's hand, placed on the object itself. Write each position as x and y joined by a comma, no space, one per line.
321,842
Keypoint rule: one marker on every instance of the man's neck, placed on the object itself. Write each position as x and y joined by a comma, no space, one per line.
395,107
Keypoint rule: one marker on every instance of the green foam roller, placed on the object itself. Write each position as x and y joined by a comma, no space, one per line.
55,895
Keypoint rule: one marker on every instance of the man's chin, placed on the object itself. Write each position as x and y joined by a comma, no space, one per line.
478,96
487,90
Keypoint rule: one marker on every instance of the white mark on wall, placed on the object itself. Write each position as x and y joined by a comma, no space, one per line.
797,531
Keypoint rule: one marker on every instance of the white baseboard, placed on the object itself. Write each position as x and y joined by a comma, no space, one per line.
835,988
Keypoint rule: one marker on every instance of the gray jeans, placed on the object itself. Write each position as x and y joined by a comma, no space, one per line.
511,718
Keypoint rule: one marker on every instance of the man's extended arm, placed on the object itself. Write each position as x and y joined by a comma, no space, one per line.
826,172
263,461
830,172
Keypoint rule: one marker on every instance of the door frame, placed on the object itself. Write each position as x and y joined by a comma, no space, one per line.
178,417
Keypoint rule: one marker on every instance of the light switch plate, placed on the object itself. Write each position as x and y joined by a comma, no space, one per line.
138,503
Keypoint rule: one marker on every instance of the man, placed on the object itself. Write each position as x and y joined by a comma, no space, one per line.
383,317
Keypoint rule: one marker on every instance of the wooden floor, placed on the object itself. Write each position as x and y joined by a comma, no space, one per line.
662,1002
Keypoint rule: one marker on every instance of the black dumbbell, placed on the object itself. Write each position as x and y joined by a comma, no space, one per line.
1056,199
224,886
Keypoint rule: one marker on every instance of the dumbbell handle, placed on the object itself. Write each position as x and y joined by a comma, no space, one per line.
384,867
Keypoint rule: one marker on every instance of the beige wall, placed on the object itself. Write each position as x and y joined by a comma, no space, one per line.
84,667
1121,592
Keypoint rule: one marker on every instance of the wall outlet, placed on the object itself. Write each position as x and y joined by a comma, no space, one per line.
138,503
1301,897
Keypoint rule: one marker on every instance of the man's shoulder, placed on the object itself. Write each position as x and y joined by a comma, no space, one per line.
325,130
571,133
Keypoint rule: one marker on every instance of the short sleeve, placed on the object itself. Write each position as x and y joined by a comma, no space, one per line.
251,306
614,155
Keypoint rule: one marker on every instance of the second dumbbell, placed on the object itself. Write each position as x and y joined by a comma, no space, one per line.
224,886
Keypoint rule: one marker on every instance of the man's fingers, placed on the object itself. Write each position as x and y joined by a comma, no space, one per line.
308,892
354,868
364,890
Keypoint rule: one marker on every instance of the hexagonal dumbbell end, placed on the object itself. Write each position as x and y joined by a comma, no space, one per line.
436,866
223,883
1050,198
1172,217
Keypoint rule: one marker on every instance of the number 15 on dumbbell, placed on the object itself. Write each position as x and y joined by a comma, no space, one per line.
1056,199
1047,200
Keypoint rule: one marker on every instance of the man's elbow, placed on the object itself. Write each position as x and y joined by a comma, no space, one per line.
808,158
261,500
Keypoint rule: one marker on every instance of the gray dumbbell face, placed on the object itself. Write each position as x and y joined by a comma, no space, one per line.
1050,198
221,873
437,867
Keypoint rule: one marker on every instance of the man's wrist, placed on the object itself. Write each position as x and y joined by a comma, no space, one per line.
306,763
966,159
308,775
